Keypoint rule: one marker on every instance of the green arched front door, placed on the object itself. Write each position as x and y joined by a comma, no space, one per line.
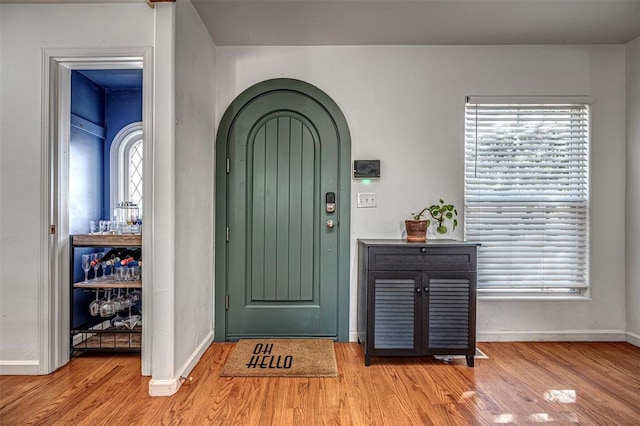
283,148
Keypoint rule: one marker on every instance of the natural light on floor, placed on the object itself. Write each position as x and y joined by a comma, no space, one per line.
563,396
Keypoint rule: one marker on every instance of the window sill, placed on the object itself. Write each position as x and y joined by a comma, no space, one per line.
531,298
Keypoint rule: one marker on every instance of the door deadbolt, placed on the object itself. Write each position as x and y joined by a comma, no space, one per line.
330,200
330,224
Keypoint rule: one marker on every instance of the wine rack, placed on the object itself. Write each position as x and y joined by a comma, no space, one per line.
96,333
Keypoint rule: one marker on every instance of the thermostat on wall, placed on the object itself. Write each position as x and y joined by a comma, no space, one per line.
366,169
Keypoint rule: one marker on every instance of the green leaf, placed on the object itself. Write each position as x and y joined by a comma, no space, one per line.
441,201
442,229
449,215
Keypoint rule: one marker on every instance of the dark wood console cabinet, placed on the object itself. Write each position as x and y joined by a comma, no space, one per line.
417,299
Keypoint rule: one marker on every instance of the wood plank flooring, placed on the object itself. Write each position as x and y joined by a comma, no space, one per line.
520,383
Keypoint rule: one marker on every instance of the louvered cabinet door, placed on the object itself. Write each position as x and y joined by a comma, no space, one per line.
396,305
449,314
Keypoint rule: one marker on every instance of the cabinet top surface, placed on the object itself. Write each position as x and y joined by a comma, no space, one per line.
405,243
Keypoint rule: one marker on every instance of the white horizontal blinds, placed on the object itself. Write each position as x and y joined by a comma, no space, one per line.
526,196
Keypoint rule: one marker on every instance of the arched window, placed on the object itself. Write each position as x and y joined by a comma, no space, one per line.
126,165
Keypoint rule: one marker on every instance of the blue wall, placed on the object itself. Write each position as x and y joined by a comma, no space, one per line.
86,163
87,99
86,155
123,107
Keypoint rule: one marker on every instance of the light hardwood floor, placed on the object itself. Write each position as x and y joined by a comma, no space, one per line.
522,383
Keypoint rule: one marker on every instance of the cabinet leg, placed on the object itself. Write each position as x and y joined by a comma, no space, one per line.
470,360
367,360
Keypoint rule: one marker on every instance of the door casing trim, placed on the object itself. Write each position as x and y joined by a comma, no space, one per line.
344,201
57,65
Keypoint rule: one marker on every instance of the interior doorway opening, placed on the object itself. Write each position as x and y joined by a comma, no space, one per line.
91,95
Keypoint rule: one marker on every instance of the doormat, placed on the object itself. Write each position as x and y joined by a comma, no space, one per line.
281,358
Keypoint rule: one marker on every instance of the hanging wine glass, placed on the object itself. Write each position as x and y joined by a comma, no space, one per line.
108,308
118,321
136,295
131,320
86,265
120,301
94,307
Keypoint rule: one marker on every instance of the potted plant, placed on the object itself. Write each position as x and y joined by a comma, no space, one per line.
441,213
417,226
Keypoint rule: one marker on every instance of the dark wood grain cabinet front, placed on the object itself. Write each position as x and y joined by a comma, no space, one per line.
417,299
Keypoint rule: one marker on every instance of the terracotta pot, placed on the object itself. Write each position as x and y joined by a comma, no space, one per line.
416,230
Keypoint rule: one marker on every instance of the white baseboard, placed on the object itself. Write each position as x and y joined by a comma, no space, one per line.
171,386
164,387
553,336
633,338
20,368
353,336
195,356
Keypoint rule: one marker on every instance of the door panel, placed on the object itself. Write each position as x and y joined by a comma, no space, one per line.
281,193
282,260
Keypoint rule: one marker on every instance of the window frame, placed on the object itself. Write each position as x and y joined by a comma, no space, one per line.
539,292
119,155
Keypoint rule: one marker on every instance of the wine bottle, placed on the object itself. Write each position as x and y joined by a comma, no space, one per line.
135,255
108,255
123,254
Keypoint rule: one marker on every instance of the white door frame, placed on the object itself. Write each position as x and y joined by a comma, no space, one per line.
54,327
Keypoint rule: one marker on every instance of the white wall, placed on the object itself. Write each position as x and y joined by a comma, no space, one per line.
162,270
405,106
194,150
24,31
182,302
633,191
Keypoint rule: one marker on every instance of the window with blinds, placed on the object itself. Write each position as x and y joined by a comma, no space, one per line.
527,196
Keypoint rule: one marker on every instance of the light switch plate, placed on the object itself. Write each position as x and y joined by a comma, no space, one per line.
367,199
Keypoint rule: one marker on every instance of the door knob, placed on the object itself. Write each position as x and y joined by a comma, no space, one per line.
330,224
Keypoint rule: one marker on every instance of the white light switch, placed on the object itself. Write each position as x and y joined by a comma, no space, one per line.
367,199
